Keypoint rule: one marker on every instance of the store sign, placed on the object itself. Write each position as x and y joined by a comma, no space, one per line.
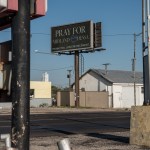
78,36
3,5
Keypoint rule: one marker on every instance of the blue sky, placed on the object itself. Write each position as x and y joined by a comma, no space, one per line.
120,20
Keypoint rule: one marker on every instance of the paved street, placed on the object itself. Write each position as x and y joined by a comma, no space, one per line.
72,123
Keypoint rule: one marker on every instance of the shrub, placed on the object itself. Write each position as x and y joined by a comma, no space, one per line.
43,105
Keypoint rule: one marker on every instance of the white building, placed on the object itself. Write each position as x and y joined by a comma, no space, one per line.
119,84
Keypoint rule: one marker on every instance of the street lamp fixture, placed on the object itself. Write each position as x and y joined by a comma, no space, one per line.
48,53
37,51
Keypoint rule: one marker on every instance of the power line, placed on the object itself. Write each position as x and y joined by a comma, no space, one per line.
52,69
117,34
41,33
121,34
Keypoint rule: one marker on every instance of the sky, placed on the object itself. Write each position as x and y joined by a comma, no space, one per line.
120,20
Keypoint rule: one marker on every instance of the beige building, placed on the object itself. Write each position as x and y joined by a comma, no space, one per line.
40,89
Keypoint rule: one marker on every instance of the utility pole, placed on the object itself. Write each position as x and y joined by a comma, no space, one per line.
134,66
77,79
134,61
148,37
143,47
69,77
20,129
106,66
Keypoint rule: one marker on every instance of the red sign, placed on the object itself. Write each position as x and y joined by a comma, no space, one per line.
8,8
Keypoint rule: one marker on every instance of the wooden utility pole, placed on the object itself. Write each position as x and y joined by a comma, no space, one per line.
134,64
77,79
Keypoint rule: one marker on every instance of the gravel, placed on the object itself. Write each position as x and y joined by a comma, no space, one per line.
86,142
105,141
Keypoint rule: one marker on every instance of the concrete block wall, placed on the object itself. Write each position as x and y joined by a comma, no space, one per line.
33,103
87,99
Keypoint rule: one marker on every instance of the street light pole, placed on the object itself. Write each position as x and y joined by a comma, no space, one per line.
40,52
134,66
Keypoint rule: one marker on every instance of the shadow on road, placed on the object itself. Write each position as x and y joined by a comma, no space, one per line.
105,136
110,137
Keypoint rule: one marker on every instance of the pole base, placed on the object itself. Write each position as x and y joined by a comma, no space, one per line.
140,126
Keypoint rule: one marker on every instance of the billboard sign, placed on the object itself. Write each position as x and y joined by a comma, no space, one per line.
78,36
3,5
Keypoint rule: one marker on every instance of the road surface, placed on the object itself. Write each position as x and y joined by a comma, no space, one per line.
60,123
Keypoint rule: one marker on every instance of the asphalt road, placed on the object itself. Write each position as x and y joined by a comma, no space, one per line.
60,123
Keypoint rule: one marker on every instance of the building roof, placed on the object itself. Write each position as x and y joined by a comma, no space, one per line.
119,76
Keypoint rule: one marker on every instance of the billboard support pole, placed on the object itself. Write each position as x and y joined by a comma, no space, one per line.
20,129
77,79
148,35
143,47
